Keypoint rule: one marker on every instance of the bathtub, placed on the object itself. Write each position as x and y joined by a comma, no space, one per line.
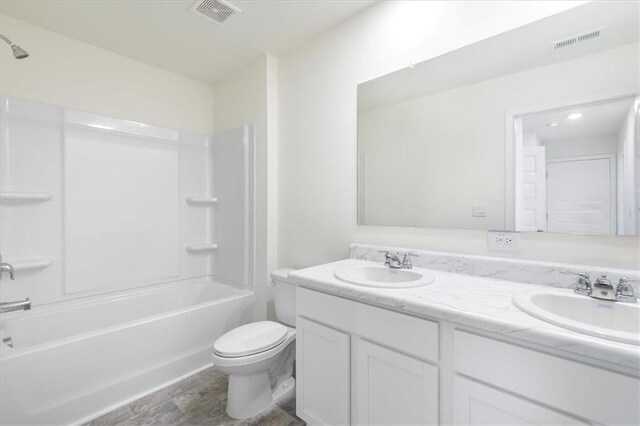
73,361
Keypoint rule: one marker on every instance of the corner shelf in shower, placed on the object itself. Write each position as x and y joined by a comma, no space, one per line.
31,263
201,201
201,248
25,197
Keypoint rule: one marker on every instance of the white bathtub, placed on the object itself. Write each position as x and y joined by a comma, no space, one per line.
76,360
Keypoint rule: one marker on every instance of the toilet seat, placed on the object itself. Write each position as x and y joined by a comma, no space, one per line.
250,339
241,361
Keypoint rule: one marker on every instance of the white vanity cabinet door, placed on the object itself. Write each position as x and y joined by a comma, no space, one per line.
476,404
391,388
323,374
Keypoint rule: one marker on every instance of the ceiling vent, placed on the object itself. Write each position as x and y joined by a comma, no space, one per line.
217,10
578,38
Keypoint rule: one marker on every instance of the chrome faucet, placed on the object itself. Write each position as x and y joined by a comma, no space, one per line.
393,260
603,289
6,267
624,291
583,286
22,305
406,260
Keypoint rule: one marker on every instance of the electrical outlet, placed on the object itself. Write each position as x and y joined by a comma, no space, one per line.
503,240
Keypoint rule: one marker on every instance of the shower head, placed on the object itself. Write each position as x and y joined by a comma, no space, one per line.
18,51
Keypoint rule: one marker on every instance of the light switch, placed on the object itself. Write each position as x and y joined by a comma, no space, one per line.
479,210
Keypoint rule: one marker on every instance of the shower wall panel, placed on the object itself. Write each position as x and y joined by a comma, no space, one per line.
91,204
121,210
233,182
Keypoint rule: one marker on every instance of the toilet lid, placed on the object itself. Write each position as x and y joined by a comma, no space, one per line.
250,339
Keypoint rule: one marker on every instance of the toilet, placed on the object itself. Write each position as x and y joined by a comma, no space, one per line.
259,356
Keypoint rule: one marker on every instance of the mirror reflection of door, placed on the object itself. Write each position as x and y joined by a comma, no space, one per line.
581,195
576,169
534,190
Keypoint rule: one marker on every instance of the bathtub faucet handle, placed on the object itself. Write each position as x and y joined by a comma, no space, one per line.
6,267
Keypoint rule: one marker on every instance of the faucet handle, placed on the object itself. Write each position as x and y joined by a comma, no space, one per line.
392,259
584,275
406,260
6,267
624,291
583,286
387,254
387,257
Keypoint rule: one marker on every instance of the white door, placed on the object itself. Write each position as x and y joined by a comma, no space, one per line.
476,404
533,205
322,389
581,195
391,388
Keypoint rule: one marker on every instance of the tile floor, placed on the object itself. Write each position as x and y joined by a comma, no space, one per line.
197,400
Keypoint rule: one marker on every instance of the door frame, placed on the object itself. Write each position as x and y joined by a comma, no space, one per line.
613,199
513,140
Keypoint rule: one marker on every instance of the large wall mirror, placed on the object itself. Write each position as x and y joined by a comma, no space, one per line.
531,130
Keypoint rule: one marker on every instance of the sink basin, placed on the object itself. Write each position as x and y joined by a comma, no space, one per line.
381,276
615,321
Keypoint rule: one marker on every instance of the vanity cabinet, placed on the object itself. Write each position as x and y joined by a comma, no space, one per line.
357,364
390,388
324,398
583,391
363,365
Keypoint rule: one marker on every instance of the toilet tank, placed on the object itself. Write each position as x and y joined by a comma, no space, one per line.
284,297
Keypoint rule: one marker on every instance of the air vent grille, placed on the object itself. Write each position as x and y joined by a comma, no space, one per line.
217,10
578,38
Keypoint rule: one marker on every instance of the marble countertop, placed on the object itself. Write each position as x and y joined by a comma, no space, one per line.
482,303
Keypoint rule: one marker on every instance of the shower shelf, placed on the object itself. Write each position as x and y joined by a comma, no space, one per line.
203,201
199,248
26,196
31,263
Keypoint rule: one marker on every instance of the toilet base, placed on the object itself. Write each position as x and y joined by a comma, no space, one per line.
284,390
251,395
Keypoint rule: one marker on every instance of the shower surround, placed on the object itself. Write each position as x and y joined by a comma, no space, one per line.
134,243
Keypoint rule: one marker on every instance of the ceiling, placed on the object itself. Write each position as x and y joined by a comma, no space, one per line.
596,120
521,49
168,35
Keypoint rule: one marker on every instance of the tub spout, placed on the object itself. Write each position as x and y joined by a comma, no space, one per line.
22,305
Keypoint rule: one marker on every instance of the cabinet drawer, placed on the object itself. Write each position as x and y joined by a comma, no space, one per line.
571,386
414,336
476,404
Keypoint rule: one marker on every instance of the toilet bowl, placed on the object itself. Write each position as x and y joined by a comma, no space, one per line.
259,356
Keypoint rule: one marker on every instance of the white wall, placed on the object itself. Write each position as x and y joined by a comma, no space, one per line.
429,158
248,96
318,108
579,147
63,71
530,139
